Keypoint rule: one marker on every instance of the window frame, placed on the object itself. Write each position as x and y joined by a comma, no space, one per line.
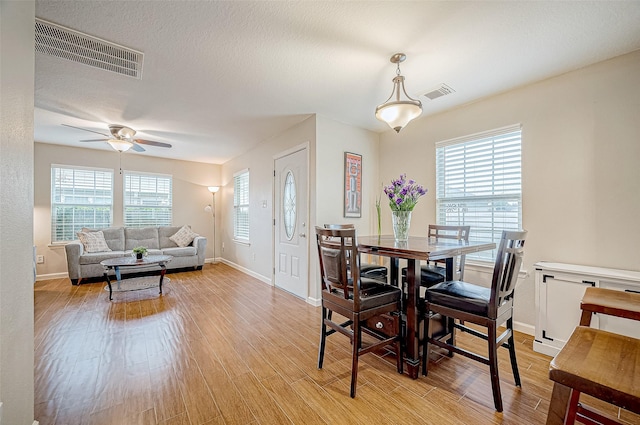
493,198
241,205
54,205
125,205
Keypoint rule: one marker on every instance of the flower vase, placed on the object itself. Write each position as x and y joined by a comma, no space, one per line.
138,256
401,224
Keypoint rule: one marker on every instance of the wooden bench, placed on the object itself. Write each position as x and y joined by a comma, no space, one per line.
595,362
611,302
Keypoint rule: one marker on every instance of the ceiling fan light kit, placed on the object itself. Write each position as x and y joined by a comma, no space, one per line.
395,112
120,145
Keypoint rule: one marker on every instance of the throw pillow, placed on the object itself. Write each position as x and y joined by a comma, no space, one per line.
184,236
93,241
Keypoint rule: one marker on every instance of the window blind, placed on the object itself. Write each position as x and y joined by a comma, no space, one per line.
80,197
478,183
147,200
241,205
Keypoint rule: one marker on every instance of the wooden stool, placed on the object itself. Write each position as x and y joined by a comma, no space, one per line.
608,301
599,363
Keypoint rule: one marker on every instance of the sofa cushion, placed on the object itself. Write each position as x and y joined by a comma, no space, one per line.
165,233
93,241
113,235
186,251
184,236
96,257
145,236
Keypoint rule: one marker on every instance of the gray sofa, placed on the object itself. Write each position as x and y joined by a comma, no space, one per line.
122,240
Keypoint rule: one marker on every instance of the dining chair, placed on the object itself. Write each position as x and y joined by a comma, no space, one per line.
373,271
487,307
373,309
435,271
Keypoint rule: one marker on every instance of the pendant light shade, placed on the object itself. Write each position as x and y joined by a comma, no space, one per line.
398,112
120,145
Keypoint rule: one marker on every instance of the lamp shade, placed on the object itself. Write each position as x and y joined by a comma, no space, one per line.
213,189
120,145
398,114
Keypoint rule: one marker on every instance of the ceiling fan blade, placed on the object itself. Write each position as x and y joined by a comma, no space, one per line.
94,140
136,147
84,129
152,143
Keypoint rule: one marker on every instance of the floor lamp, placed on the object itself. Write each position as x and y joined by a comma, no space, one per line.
212,208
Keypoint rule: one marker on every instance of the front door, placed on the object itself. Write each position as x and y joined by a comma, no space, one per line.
291,217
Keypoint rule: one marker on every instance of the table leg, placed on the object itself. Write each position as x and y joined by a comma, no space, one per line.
106,276
413,322
163,270
118,276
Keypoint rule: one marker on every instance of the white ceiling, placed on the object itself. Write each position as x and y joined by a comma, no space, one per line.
220,77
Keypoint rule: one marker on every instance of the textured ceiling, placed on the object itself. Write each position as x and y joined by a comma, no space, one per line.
220,77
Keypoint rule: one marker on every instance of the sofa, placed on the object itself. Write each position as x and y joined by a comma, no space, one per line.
82,264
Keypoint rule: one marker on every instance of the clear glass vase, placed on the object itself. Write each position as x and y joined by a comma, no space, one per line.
401,224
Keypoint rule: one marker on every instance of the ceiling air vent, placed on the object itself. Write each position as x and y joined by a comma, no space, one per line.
442,90
56,40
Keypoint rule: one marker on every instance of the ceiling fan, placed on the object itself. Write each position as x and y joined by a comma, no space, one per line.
121,138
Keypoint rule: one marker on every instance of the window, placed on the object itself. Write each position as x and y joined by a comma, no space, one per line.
241,205
478,183
80,197
147,200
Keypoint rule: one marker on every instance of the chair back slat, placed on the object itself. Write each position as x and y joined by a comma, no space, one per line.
336,247
452,232
507,266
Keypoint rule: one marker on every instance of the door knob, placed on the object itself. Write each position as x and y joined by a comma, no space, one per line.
302,235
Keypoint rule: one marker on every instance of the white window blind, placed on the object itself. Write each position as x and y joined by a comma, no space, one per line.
241,205
478,183
147,200
80,197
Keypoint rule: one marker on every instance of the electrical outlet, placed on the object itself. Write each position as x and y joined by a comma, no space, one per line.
40,259
254,256
222,246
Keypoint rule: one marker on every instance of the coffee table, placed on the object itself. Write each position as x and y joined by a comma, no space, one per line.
131,262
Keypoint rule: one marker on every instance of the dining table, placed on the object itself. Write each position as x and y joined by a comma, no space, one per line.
414,250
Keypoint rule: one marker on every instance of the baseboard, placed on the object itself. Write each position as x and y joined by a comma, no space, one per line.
210,260
316,302
51,276
525,328
247,271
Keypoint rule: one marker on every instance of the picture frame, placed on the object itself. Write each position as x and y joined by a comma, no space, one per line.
352,185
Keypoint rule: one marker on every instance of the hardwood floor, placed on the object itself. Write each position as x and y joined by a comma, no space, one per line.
219,347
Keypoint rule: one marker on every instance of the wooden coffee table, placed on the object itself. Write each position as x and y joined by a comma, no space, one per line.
132,262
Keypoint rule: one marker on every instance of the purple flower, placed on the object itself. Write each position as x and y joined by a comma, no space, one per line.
403,194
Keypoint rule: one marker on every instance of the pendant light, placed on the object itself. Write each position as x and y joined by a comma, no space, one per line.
395,112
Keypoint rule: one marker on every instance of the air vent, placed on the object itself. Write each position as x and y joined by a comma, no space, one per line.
442,90
56,40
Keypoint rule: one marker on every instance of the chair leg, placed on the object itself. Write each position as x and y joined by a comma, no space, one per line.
399,344
493,366
512,354
450,326
425,344
323,336
354,360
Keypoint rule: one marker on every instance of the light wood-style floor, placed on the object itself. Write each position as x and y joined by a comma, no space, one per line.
220,347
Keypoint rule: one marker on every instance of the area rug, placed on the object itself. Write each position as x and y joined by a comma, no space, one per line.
138,284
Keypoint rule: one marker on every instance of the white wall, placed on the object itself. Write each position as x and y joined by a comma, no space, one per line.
580,165
16,207
328,140
190,193
333,140
257,256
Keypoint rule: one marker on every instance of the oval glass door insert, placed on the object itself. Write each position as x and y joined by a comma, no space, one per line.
289,205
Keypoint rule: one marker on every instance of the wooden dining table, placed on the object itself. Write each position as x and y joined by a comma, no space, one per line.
414,250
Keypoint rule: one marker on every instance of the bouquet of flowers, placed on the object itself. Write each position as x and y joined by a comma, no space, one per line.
404,194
